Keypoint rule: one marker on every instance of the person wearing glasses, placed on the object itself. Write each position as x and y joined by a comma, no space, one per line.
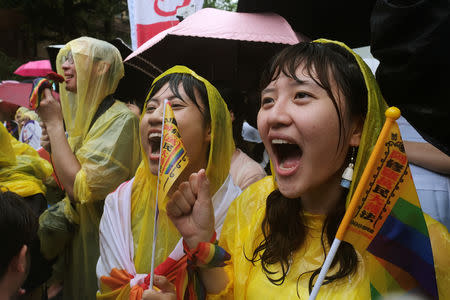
94,144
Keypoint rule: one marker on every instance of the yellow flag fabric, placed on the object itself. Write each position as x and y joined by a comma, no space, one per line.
385,218
173,155
385,179
22,170
144,186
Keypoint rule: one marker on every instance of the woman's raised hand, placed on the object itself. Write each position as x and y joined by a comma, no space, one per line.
49,110
191,210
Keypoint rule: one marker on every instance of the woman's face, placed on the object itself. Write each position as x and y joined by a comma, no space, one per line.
18,118
70,73
299,126
22,120
195,134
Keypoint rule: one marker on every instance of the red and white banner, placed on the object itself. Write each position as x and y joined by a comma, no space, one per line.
149,17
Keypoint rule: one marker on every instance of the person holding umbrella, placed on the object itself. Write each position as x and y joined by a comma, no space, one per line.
101,151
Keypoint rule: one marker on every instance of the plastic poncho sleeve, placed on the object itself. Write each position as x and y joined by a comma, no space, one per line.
237,228
105,156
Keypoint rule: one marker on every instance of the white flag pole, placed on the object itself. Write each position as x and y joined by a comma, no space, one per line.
325,268
155,224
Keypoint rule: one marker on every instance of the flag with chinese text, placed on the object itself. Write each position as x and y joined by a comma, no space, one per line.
389,222
173,158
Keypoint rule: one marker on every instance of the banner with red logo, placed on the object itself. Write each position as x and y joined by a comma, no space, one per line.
150,17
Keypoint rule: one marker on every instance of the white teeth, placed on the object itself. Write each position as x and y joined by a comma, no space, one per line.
280,141
154,134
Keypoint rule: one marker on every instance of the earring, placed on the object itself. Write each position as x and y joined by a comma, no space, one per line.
347,176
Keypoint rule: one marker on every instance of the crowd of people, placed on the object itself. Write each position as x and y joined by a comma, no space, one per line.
79,222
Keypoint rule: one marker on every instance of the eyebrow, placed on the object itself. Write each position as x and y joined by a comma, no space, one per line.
296,82
158,99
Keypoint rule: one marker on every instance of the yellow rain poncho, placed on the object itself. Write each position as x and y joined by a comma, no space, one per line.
22,170
107,150
241,232
221,150
144,186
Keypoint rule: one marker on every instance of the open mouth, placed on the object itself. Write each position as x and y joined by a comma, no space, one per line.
288,155
68,77
154,140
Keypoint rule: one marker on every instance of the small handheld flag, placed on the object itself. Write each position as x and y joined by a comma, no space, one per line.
173,158
384,217
41,83
172,161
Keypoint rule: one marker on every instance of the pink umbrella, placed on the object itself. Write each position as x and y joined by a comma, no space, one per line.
18,92
15,92
222,46
36,68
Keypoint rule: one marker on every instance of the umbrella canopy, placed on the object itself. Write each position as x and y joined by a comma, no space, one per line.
18,93
35,68
15,92
227,47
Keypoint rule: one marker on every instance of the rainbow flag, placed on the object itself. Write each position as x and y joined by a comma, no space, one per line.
388,222
39,84
173,158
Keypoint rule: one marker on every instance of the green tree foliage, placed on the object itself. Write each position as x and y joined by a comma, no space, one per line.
230,5
105,11
64,20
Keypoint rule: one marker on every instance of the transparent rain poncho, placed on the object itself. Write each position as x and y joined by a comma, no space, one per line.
241,232
22,170
108,152
144,187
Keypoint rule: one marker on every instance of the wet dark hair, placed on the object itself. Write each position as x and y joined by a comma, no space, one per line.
18,226
324,63
283,226
190,84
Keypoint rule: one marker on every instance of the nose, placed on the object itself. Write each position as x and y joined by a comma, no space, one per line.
278,114
65,65
156,116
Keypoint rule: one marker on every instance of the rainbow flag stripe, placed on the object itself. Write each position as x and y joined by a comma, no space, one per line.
404,239
36,92
175,157
386,220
